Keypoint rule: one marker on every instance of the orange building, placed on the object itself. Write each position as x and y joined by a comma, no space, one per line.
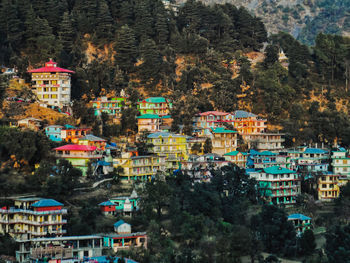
73,134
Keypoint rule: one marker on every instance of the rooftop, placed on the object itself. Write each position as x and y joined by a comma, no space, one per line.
234,153
119,223
106,203
216,113
155,100
222,130
278,170
74,147
298,216
315,151
148,116
46,203
50,66
92,138
164,134
243,114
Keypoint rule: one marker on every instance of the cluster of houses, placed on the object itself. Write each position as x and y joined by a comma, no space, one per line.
38,227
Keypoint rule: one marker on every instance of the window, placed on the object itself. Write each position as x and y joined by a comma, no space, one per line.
54,89
54,96
324,186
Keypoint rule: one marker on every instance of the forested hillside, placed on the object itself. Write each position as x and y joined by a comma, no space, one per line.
197,58
303,19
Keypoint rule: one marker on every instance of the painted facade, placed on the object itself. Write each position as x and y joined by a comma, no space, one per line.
278,185
53,132
300,222
72,134
328,187
309,159
52,84
238,158
92,140
264,159
110,106
149,122
341,162
223,140
155,105
172,146
33,217
79,155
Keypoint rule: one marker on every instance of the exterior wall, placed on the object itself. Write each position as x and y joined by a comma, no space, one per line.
54,133
151,125
112,107
301,225
240,159
161,108
328,187
264,141
341,163
73,135
224,143
98,144
52,88
124,228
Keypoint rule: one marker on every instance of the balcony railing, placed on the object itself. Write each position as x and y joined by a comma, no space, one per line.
25,211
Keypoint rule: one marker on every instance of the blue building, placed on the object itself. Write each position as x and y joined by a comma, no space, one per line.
265,159
54,132
310,159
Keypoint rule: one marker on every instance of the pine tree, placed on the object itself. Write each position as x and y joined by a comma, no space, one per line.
126,52
161,26
152,60
66,32
104,21
13,24
144,22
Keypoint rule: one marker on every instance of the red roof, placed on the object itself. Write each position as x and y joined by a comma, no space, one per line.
75,147
50,66
213,113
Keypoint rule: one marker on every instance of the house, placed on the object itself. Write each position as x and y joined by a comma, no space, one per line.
125,241
328,187
111,106
341,162
53,132
149,122
238,158
307,159
172,146
124,205
155,105
248,123
264,159
213,119
265,141
300,222
121,227
52,84
92,140
59,249
277,185
33,217
141,167
223,140
72,134
79,155
30,123
200,168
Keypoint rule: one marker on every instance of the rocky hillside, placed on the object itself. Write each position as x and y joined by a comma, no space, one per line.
301,18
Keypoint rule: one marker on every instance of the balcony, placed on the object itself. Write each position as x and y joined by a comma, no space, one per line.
81,156
31,212
32,222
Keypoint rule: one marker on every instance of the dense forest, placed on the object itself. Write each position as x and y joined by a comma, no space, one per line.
196,57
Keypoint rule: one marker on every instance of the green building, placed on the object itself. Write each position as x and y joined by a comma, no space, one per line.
155,105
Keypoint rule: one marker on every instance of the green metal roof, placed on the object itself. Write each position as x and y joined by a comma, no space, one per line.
222,130
156,99
278,170
148,116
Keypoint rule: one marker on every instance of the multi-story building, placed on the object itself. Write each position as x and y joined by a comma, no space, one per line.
264,159
248,123
79,155
172,146
72,134
60,249
33,217
155,105
213,119
92,140
140,167
341,162
148,122
309,159
277,185
237,157
112,106
53,132
30,123
264,141
200,168
52,84
223,140
300,222
328,187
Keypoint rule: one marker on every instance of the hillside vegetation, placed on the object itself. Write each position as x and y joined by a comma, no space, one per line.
304,19
205,58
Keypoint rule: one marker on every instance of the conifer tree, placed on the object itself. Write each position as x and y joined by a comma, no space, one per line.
161,26
125,47
144,24
66,32
152,60
104,21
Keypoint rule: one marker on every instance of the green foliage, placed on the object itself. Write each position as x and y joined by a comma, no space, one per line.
337,244
7,245
307,242
207,147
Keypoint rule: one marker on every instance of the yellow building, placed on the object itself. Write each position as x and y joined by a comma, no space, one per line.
139,167
52,84
32,218
328,187
172,146
223,140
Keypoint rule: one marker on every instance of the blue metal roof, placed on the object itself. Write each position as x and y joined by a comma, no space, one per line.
119,223
298,216
106,203
315,151
243,114
46,203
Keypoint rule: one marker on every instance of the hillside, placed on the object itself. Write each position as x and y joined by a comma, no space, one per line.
304,19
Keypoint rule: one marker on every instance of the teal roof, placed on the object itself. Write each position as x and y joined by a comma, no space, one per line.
156,99
234,153
46,203
267,153
222,130
106,203
298,216
278,170
166,117
315,151
148,116
119,223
